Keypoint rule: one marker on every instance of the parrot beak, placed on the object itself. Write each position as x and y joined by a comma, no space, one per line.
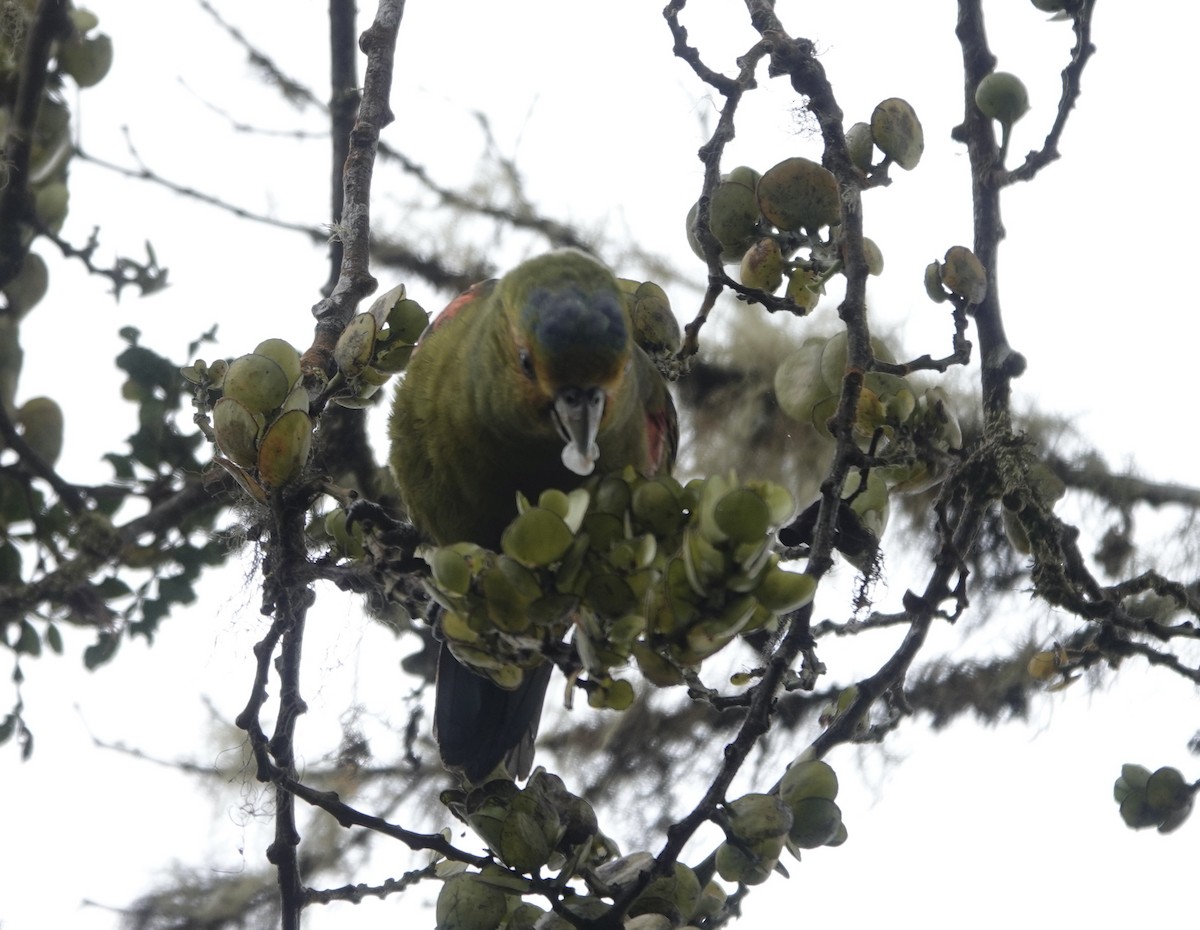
577,413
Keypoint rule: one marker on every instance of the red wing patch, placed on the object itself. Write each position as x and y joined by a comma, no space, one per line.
467,297
662,437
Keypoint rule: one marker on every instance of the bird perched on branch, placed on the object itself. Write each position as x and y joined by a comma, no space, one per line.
522,384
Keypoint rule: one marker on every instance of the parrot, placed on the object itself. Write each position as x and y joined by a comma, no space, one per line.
529,382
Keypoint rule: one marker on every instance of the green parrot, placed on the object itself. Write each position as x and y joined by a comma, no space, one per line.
522,384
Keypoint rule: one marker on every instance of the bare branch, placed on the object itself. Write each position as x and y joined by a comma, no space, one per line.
355,280
1035,161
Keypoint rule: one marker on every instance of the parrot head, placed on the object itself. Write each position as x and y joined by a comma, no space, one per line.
572,344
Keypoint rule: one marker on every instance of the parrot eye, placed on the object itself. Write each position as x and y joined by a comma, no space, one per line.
526,362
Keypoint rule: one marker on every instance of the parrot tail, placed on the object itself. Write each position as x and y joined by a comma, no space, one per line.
478,724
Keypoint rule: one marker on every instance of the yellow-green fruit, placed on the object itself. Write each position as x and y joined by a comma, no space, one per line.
537,537
657,505
284,448
524,916
755,817
528,834
555,501
860,145
693,238
742,516
872,504
804,288
749,866
1166,789
712,901
897,131
799,385
257,383
27,289
781,591
964,274
675,896
799,194
933,282
744,175
1001,96
468,903
399,319
584,907
1175,817
348,539
237,431
762,265
733,215
609,595
813,778
833,358
391,359
453,566
780,503
873,256
406,322
509,588
83,20
1138,812
283,354
839,837
41,422
297,399
654,668
615,694
655,327
87,60
356,344
938,419
51,202
815,822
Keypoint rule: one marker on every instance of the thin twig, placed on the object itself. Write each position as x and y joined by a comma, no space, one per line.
1035,161
354,279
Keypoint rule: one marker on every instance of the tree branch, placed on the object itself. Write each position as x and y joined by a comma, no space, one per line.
1081,20
49,23
355,280
343,106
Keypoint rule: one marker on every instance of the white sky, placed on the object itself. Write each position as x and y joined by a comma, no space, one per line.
987,827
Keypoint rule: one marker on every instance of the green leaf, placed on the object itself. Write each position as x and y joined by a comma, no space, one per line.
14,505
29,642
10,564
153,610
112,587
122,466
101,651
